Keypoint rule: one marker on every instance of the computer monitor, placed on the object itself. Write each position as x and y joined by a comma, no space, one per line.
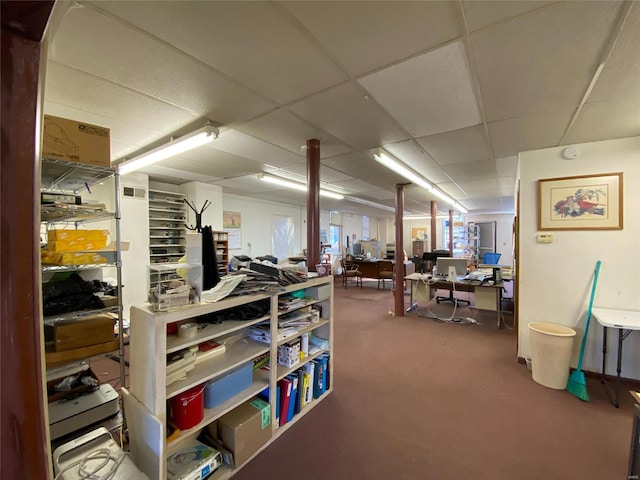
460,264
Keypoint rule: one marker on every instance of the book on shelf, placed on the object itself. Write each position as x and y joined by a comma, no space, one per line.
294,393
310,368
209,350
285,396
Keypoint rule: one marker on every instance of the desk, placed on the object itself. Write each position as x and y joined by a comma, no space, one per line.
625,321
369,268
488,297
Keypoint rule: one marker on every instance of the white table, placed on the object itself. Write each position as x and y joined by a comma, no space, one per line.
625,321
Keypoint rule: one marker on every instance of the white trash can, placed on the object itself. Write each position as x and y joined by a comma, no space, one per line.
551,348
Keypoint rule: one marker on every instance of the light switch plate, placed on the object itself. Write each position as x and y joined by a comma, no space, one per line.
544,238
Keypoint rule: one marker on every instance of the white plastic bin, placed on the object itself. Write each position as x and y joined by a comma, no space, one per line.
551,347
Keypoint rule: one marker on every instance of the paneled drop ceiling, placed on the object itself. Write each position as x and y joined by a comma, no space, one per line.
453,89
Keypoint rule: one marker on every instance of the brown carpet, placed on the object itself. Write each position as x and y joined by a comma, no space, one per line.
419,399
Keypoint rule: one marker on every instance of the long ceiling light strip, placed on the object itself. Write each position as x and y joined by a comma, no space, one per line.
370,204
395,166
296,186
398,167
175,147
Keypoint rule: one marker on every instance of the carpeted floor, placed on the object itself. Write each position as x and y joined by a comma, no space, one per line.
417,398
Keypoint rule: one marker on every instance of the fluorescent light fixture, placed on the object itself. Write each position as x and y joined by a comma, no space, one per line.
422,217
296,185
174,147
384,158
370,204
395,166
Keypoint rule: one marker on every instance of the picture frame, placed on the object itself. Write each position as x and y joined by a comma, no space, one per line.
583,202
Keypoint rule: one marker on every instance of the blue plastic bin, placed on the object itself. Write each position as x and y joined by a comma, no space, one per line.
491,258
222,389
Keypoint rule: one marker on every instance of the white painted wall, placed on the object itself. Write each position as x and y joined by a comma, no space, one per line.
555,279
256,224
197,193
134,227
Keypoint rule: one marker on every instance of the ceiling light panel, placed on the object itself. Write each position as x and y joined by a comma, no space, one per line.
428,94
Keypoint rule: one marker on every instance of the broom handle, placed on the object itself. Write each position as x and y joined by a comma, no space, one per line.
586,327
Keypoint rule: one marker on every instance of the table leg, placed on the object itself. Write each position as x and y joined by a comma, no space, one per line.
604,353
620,339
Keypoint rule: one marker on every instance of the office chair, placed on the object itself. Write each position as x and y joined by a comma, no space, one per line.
386,271
350,270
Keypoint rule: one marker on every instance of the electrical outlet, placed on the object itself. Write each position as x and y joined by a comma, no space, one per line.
544,238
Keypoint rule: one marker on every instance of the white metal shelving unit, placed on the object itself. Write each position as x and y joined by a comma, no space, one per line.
146,402
60,176
167,243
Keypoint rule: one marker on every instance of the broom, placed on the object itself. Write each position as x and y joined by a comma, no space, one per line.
577,384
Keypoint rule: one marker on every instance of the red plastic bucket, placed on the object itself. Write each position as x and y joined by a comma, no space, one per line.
187,408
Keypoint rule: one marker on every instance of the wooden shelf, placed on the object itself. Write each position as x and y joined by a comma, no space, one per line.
54,358
148,412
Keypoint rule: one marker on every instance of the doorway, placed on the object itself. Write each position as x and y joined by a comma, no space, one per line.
487,240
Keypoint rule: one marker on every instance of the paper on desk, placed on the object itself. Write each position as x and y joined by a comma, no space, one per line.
227,284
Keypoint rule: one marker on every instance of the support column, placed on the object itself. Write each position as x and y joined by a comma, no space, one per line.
24,438
399,270
434,213
313,204
451,232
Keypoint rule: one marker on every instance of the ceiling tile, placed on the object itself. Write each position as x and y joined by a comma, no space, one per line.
623,120
176,176
411,154
299,173
537,62
481,186
436,175
243,145
459,146
288,131
507,166
472,170
507,185
480,14
357,186
86,93
359,165
428,94
363,36
213,162
344,112
621,75
252,42
541,130
109,49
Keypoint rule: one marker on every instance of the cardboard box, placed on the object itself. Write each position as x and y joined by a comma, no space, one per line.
74,141
64,240
289,353
245,429
84,332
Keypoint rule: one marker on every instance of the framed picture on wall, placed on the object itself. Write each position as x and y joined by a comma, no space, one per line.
585,202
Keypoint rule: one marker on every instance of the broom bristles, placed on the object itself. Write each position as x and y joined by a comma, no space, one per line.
577,385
